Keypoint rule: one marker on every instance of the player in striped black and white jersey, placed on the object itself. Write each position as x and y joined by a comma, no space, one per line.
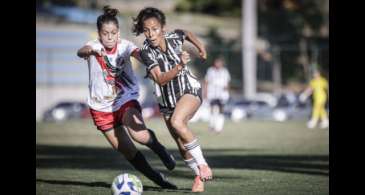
113,93
185,82
178,91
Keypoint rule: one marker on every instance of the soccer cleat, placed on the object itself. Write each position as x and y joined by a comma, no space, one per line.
205,172
164,183
311,124
198,185
324,124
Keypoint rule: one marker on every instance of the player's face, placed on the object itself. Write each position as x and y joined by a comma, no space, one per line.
218,64
109,35
153,31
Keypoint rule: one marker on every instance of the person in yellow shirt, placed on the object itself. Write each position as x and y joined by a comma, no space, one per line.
318,86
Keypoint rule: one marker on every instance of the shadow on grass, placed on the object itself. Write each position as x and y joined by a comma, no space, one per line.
104,185
75,157
75,183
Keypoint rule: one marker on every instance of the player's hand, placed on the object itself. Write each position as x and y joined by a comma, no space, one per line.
94,52
303,97
185,57
203,54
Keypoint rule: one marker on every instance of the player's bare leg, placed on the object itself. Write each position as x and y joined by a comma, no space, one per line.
198,184
184,110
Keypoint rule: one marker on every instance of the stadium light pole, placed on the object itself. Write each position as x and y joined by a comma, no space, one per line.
249,30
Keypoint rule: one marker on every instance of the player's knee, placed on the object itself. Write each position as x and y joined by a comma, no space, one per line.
137,139
178,124
140,137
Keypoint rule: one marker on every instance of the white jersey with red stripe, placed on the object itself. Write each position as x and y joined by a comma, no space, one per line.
111,78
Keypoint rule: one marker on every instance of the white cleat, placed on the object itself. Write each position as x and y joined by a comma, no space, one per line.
324,124
311,124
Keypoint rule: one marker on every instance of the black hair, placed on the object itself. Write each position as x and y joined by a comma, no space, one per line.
108,16
144,14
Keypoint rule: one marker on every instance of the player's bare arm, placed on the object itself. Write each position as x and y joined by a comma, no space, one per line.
227,87
308,91
205,89
198,44
137,54
164,77
87,51
304,95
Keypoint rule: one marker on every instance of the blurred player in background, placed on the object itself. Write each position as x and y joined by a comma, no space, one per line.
177,90
113,93
318,86
216,90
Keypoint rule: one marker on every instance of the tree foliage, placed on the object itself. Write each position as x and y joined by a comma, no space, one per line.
287,23
216,47
212,7
283,23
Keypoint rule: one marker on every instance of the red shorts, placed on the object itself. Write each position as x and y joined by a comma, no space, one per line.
105,121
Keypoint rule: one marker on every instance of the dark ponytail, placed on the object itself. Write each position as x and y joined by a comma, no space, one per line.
108,16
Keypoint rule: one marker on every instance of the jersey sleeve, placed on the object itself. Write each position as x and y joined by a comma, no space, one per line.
149,60
180,34
130,47
95,45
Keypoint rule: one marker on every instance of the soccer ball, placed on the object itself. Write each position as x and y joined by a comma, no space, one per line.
126,184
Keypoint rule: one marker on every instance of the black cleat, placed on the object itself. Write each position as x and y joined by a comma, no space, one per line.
165,184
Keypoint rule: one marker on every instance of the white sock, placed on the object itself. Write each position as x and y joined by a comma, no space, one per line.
211,121
214,117
219,122
193,165
195,151
324,123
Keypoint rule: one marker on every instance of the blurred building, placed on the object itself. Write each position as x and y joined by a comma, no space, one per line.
60,74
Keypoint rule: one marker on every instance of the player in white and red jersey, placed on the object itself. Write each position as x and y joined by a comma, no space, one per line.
113,93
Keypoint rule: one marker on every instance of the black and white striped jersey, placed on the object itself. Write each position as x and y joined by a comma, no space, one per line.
185,82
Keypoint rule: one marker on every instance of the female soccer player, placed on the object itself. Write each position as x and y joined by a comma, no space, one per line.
318,86
216,85
113,93
177,89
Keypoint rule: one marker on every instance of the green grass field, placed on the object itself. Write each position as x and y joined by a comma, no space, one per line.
251,157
